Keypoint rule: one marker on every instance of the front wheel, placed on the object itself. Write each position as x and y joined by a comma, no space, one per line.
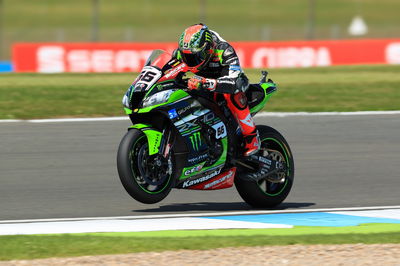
147,178
265,193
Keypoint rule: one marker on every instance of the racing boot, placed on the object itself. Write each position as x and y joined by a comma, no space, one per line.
237,104
251,143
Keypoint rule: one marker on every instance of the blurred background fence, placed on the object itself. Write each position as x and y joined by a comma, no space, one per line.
162,20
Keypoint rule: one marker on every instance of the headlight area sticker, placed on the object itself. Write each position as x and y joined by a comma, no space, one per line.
172,113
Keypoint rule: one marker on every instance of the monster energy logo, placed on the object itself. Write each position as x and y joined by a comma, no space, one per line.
196,141
208,37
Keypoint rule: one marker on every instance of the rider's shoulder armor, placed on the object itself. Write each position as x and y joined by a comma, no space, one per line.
225,51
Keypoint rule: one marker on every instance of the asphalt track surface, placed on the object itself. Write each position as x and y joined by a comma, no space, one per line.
67,170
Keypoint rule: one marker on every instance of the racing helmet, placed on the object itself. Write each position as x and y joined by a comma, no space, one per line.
195,46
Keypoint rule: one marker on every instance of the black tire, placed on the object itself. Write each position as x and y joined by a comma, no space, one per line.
263,193
136,170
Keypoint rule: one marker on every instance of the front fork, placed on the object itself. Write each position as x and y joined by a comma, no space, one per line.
165,145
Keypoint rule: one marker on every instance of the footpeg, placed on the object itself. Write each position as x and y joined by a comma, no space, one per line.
268,169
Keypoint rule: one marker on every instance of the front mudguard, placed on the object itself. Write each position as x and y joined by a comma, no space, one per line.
153,136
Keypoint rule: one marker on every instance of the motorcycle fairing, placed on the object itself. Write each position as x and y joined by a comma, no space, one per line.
258,94
196,127
212,180
194,123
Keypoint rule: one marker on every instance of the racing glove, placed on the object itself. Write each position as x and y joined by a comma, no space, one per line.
197,82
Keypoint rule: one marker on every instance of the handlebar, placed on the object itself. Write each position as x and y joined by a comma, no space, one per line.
182,84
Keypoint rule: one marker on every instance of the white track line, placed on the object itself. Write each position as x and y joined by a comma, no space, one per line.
94,119
262,114
161,216
287,114
10,120
137,225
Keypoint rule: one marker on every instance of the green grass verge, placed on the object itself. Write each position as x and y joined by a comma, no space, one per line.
345,88
69,245
160,20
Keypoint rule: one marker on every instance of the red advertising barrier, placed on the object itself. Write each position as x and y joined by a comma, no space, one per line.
130,57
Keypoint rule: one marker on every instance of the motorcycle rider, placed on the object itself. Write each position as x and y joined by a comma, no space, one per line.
217,69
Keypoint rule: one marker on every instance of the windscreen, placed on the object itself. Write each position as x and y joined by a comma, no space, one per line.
158,58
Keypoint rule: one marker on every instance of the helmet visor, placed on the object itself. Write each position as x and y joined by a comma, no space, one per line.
193,59
196,56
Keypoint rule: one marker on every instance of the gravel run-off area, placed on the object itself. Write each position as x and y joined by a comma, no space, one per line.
354,254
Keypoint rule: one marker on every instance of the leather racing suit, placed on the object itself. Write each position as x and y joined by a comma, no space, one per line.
224,70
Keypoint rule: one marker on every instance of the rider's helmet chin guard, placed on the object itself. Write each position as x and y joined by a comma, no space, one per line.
196,46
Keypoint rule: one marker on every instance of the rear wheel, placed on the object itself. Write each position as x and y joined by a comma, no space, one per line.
147,178
272,191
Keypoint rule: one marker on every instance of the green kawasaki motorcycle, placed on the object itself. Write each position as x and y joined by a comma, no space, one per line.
182,139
